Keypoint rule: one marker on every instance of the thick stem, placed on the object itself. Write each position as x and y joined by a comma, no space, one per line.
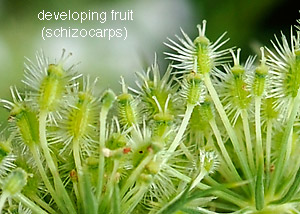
237,147
61,191
284,144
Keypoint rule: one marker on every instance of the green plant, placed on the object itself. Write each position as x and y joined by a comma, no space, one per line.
206,137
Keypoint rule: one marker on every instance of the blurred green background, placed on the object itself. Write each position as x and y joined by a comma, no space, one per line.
249,23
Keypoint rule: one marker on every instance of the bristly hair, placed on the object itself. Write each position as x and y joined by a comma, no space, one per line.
187,50
284,63
39,78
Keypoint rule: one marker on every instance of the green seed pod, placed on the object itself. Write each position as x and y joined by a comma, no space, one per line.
202,44
5,150
27,123
127,109
163,120
199,55
192,88
146,178
108,99
82,117
52,88
201,116
15,181
260,76
153,167
291,80
209,161
269,111
116,141
239,91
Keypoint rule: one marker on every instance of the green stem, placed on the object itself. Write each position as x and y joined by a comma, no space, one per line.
165,206
244,115
28,203
135,199
3,198
292,190
259,186
112,179
268,152
109,187
135,174
76,155
42,204
223,150
56,177
36,157
77,194
224,195
77,160
186,151
101,166
199,178
237,147
182,128
116,206
284,144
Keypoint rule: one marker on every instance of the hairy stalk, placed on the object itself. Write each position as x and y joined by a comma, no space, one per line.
61,191
237,147
284,145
